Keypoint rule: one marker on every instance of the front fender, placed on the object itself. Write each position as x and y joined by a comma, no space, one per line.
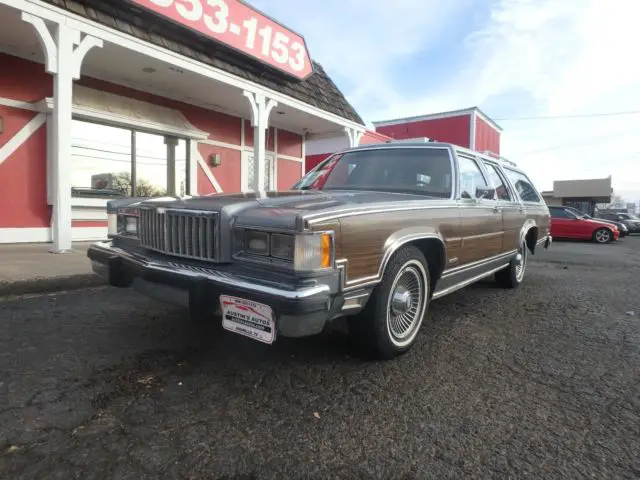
408,235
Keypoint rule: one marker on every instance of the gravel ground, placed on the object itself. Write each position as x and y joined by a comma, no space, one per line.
544,382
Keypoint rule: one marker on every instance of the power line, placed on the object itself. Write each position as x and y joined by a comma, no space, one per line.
581,144
586,115
124,153
126,146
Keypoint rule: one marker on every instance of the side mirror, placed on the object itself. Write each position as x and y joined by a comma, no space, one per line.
482,193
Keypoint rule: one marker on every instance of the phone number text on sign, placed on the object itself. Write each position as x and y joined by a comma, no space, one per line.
241,27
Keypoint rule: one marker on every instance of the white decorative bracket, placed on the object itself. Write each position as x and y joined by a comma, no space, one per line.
46,41
86,44
50,47
354,136
260,108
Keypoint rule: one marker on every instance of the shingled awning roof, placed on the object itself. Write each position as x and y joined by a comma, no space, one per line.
317,90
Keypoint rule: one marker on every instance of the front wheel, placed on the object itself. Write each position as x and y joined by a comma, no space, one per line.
513,274
390,322
602,235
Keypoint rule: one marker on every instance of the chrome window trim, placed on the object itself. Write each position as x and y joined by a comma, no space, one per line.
474,159
514,197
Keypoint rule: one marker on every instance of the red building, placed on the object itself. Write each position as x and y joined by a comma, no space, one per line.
141,97
469,128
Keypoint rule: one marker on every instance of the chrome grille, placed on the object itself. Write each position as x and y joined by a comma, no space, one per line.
181,233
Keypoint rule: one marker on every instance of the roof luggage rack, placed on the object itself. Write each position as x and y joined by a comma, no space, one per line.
498,157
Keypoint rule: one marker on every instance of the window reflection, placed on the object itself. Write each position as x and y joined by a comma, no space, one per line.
103,162
101,159
151,165
181,167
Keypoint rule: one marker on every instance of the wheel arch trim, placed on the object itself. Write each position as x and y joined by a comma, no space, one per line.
393,243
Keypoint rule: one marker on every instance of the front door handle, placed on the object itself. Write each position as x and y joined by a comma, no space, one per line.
497,208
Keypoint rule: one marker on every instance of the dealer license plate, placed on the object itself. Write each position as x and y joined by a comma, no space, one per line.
248,318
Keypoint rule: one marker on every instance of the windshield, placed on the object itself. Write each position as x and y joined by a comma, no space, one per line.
629,216
424,171
577,212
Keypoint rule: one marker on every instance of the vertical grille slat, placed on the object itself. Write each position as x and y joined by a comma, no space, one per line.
178,232
201,238
209,239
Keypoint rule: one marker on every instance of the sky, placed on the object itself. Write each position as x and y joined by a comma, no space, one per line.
514,59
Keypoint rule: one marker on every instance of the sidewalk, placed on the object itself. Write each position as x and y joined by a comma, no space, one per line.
30,268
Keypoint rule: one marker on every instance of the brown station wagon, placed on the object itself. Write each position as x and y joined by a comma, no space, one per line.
372,233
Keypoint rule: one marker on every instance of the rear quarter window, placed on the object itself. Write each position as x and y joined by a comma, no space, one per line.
523,186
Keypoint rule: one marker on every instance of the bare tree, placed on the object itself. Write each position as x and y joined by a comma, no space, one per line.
122,182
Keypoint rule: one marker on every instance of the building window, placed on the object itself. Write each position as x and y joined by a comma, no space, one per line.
111,161
269,174
101,160
181,167
151,165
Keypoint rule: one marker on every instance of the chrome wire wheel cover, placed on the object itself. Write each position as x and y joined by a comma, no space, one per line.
603,236
521,262
406,302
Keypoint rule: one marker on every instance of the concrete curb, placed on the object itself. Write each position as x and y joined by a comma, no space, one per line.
51,284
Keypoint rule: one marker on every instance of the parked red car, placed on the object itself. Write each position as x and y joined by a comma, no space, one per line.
566,224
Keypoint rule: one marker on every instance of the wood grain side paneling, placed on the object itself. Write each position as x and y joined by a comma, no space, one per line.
513,219
364,238
481,232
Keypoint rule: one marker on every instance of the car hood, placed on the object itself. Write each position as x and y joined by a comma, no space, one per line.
281,209
595,221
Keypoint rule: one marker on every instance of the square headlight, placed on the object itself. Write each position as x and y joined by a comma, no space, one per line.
131,225
256,243
283,246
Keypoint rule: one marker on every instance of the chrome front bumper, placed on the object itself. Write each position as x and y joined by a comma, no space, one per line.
300,310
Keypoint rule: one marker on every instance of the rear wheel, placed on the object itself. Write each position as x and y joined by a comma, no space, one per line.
602,235
513,275
390,322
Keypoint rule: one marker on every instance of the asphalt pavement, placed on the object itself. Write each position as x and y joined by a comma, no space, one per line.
542,382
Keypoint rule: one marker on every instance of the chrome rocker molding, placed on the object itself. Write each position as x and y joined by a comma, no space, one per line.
220,277
441,293
470,266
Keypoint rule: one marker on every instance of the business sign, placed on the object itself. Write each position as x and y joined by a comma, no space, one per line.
240,27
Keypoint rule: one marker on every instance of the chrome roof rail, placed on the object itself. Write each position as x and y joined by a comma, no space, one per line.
499,157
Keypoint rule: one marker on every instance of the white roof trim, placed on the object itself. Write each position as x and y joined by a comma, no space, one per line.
119,110
436,116
108,34
419,118
482,116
